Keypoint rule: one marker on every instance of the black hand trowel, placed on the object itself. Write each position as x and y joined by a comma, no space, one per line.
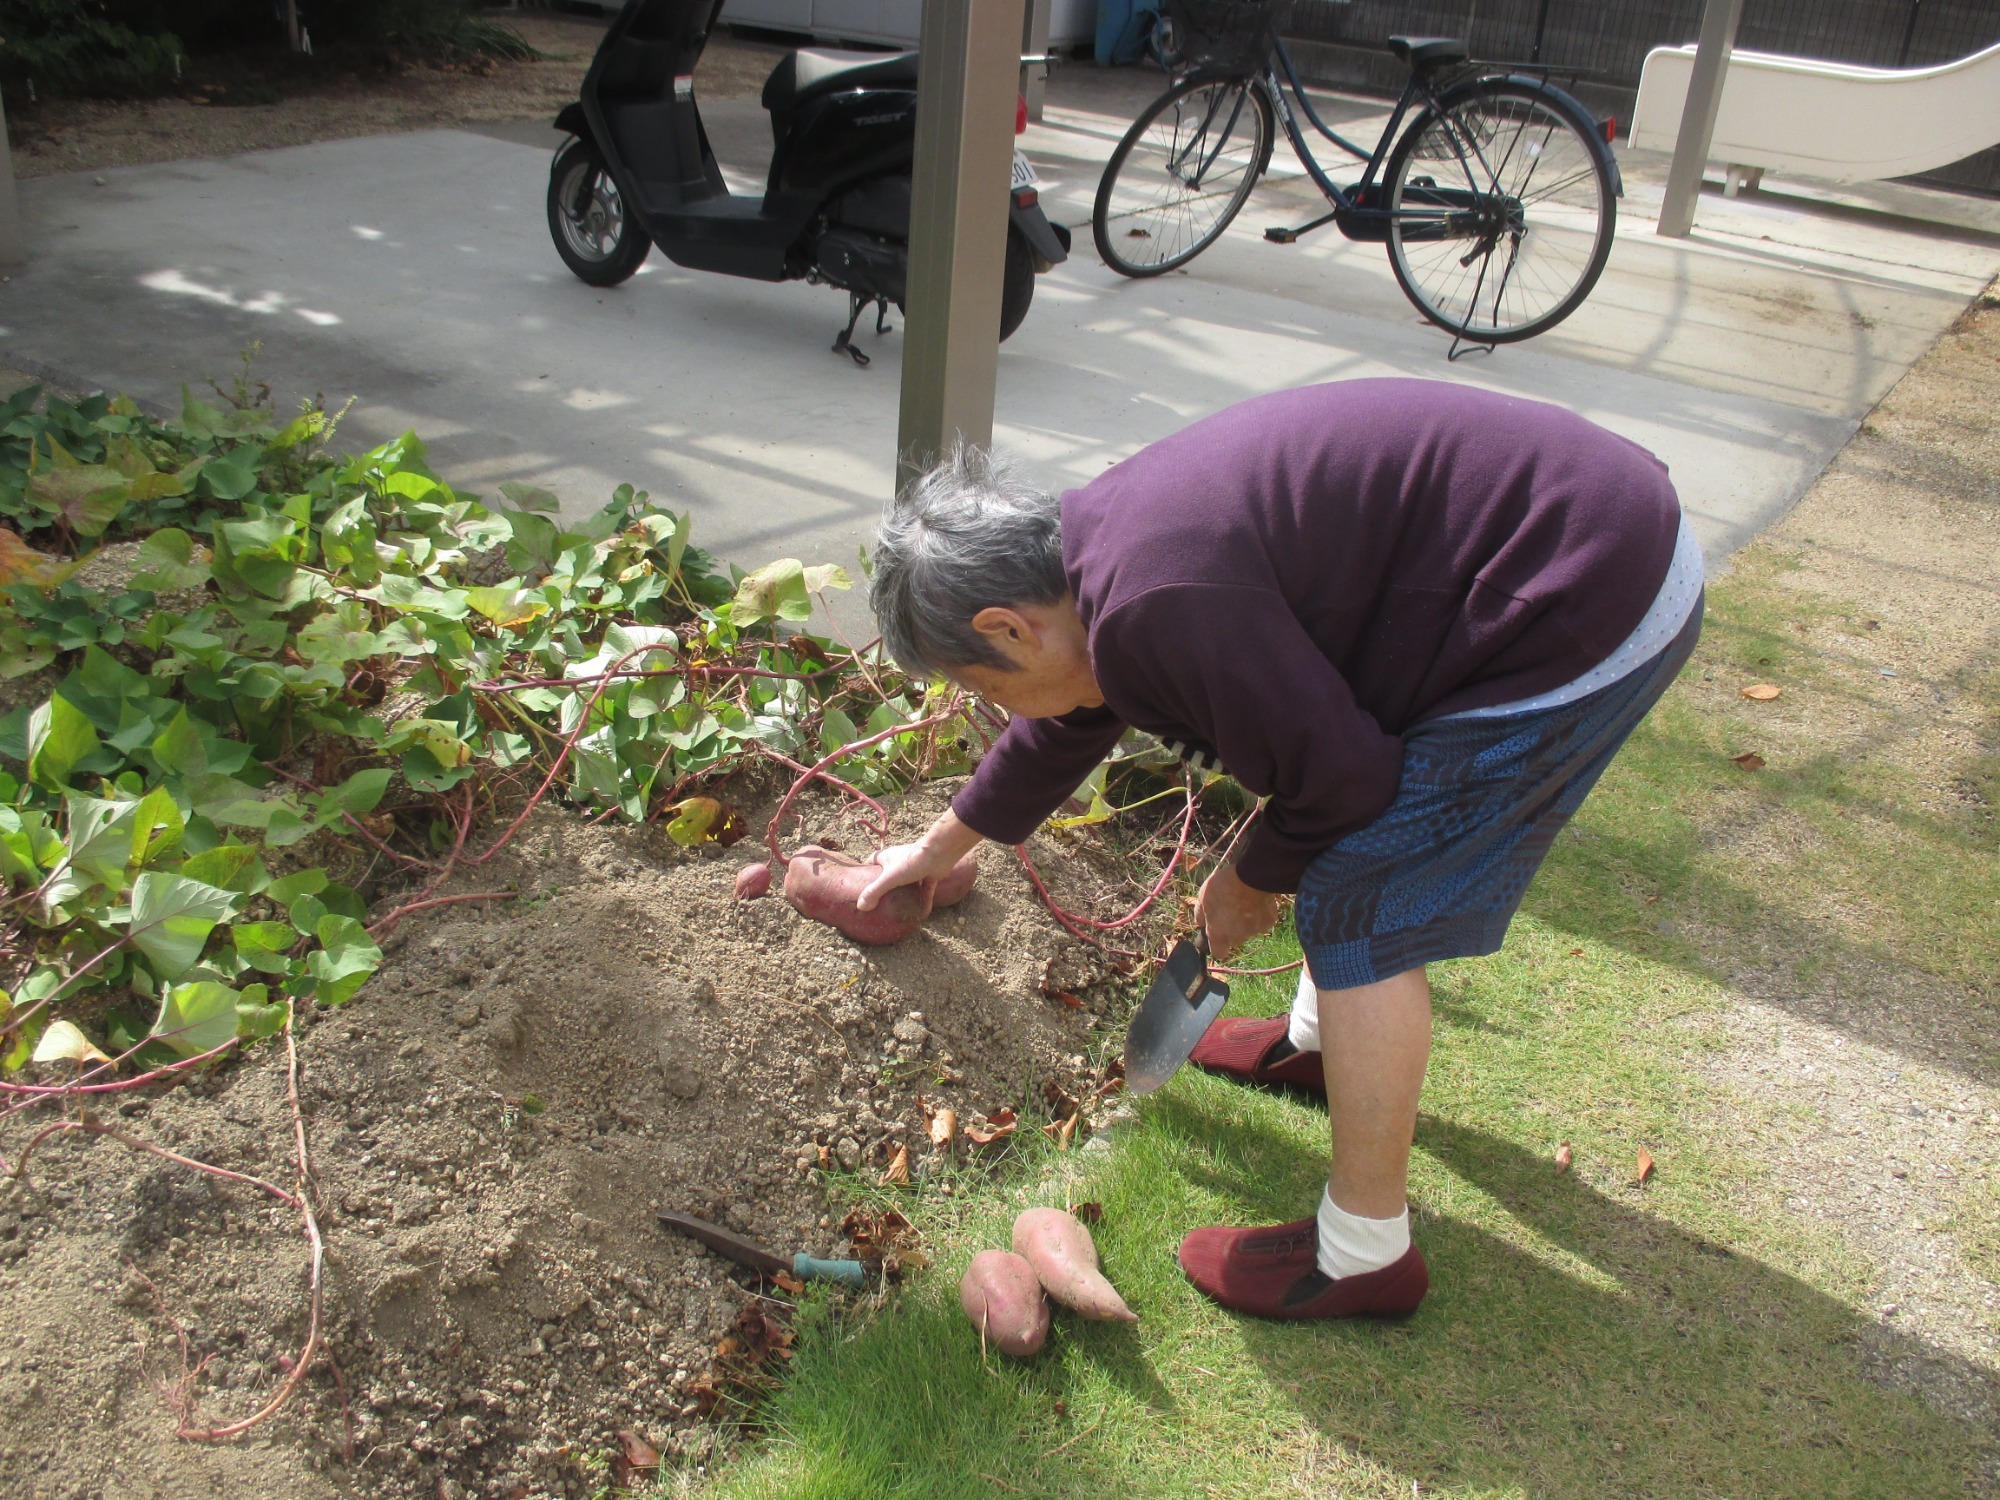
1178,1008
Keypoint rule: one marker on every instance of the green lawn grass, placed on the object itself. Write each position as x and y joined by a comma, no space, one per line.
1584,1336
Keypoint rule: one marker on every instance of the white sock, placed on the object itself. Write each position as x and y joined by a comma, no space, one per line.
1350,1244
1304,1030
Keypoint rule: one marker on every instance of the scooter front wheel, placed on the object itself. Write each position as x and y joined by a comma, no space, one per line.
588,220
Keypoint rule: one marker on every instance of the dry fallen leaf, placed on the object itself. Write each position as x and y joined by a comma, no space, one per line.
635,1460
1088,1213
1062,1131
999,1125
875,1237
1749,760
1563,1157
1761,692
943,1125
825,1158
1645,1167
20,563
898,1173
786,1281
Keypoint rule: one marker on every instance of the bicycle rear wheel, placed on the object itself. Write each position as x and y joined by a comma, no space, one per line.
1180,175
1502,210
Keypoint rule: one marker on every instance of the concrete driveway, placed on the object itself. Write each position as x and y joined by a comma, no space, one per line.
415,273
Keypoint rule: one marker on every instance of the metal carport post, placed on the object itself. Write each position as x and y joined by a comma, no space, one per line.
1719,20
967,77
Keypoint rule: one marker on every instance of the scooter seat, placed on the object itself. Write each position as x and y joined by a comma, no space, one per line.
803,74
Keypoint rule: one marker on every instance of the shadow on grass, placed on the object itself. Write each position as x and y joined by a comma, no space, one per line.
1623,1355
1637,870
1575,1345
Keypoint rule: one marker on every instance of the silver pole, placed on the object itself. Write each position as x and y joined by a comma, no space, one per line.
13,244
1035,44
969,67
1711,61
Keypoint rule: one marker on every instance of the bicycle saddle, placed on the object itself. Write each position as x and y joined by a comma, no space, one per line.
1428,51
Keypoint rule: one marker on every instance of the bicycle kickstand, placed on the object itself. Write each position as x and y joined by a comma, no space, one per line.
1472,346
1278,235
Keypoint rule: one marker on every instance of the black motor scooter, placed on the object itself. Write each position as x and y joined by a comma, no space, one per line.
640,172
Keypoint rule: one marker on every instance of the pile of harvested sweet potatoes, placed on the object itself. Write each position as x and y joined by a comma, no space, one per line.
1006,1293
825,886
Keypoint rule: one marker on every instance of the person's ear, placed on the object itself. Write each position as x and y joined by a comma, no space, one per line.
1008,631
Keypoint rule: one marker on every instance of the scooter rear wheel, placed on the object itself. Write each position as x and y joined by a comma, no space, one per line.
588,220
1017,284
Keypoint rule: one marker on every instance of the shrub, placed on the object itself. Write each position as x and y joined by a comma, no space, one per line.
55,47
431,28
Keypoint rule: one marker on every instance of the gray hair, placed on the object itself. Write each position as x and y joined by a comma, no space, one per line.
968,534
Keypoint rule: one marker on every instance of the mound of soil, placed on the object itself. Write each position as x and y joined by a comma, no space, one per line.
493,1121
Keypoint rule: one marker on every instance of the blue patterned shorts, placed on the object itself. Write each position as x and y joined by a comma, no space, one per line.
1441,873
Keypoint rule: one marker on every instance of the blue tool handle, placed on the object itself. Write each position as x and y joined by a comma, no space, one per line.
846,1272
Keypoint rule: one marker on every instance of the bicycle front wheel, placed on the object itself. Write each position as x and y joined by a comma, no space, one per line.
1180,175
1501,210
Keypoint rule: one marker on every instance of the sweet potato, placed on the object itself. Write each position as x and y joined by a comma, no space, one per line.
753,881
824,886
956,883
1065,1261
1000,1294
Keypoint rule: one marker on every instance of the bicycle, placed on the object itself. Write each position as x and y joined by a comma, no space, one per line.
1497,203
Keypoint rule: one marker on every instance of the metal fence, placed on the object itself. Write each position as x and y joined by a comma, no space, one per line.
1602,45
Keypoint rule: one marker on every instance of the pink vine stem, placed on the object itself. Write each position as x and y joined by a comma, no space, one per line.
817,769
302,1201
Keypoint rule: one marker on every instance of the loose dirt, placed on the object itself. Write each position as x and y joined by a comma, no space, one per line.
330,98
493,1122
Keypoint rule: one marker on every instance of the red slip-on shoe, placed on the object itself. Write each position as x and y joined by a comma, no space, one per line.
1274,1273
1241,1047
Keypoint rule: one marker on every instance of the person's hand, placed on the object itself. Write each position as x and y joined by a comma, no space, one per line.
1232,913
902,864
944,843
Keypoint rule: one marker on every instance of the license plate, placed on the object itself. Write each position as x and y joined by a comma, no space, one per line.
1024,174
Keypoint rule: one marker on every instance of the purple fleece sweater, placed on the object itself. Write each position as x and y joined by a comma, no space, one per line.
1290,584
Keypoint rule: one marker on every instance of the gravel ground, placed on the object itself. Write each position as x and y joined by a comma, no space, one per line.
1868,1088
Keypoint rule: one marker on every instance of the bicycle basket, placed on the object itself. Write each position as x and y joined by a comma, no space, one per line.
1228,33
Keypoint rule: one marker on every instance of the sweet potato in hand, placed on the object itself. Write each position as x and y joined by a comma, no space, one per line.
824,885
956,883
1000,1294
1064,1259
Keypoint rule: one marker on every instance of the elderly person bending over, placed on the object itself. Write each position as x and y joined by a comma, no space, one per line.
1418,619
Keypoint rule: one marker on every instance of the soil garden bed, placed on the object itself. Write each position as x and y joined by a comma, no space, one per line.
336,1104
500,1300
